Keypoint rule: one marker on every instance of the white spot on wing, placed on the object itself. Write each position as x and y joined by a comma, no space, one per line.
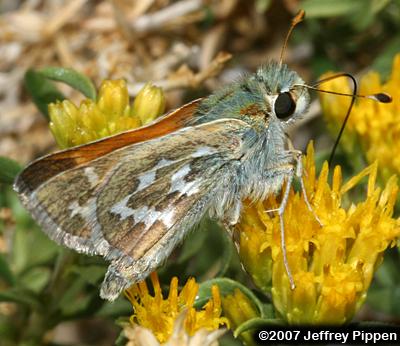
149,216
168,217
145,180
146,215
143,214
178,182
91,175
192,187
75,208
86,210
163,163
122,209
203,151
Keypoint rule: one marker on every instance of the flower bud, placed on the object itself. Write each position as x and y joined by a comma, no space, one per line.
113,98
149,103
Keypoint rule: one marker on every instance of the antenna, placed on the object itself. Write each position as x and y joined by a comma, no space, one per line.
379,97
296,20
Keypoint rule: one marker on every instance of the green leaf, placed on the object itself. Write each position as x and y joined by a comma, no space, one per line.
19,296
35,279
388,274
203,249
9,330
384,294
226,286
31,247
192,244
330,8
255,323
20,214
385,300
227,253
378,5
20,250
117,308
121,339
42,90
72,78
8,170
90,273
73,301
229,340
5,271
363,19
383,63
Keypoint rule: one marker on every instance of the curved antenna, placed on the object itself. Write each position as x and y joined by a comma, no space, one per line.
353,99
379,97
296,20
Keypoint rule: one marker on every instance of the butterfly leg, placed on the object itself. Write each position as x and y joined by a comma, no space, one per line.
289,171
289,174
298,155
299,175
284,172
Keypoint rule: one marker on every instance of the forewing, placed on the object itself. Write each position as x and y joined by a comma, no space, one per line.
49,166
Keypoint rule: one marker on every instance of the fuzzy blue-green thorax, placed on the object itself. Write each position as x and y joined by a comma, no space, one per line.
274,92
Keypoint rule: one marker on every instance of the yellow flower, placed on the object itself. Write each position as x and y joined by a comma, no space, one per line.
159,315
140,336
332,265
372,125
239,309
111,114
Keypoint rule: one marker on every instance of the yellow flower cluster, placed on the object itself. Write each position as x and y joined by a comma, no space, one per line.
374,126
159,314
111,114
332,265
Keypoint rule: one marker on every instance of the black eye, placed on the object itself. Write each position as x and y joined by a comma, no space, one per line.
284,105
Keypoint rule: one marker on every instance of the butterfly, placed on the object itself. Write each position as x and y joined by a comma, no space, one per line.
133,197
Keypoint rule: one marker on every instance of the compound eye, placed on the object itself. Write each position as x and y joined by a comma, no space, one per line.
284,105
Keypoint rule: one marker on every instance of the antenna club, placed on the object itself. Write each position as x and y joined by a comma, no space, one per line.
382,97
299,17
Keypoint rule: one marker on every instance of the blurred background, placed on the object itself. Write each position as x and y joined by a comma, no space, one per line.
190,48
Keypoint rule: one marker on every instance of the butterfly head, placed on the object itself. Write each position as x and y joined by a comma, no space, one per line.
283,94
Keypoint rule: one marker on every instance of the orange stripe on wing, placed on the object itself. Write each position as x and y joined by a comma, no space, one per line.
49,166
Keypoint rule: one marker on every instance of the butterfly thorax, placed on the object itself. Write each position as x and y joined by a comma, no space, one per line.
253,100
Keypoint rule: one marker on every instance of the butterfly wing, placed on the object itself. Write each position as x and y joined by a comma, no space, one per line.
49,166
134,204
